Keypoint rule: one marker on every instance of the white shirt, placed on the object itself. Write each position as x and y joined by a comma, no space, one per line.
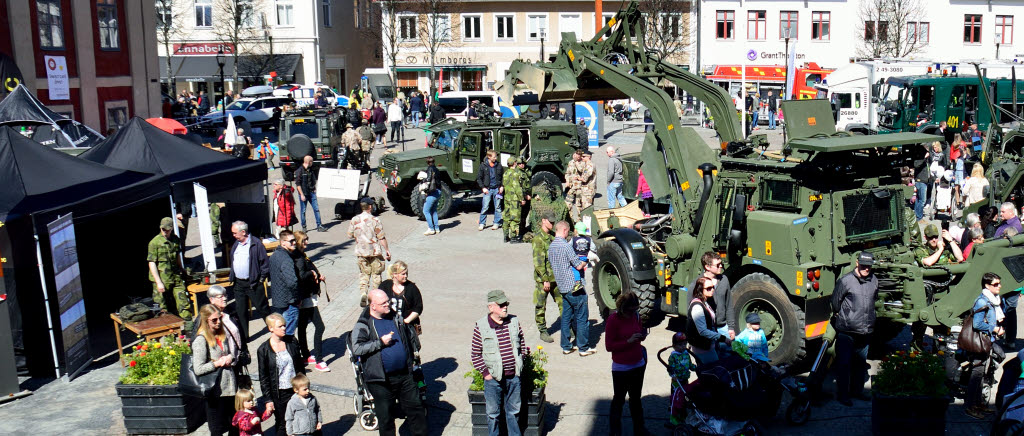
240,259
395,112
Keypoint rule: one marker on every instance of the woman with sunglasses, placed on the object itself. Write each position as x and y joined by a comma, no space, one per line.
700,326
987,316
213,350
309,292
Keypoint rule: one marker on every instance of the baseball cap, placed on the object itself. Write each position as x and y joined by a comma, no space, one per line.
582,229
167,223
366,200
865,259
931,231
753,318
497,296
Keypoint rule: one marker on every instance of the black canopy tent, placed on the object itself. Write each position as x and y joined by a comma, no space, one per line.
21,109
141,146
114,211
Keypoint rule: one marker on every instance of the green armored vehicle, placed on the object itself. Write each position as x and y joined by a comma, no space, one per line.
310,132
458,148
787,224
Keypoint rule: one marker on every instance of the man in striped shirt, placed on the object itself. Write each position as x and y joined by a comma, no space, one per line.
497,352
575,312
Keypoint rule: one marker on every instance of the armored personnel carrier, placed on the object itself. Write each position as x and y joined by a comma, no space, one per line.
310,132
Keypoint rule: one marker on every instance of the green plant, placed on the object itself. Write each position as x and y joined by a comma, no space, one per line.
157,362
911,374
534,375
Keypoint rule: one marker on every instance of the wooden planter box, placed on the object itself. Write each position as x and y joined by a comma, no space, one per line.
903,415
159,410
531,414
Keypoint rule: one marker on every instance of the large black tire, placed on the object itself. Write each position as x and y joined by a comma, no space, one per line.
546,177
781,320
612,275
300,146
398,202
444,203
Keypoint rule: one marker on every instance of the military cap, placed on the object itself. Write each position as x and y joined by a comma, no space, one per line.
497,296
753,318
167,223
931,231
546,216
511,160
348,125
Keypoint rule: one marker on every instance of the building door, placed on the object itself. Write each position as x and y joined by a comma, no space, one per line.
334,78
570,22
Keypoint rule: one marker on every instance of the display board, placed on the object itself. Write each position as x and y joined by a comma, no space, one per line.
70,299
338,184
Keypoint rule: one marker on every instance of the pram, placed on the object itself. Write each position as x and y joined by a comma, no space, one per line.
732,394
622,112
363,402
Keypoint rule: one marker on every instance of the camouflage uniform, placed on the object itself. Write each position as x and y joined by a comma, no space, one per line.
573,178
525,183
588,177
366,137
164,253
514,194
215,222
546,201
542,272
368,232
351,139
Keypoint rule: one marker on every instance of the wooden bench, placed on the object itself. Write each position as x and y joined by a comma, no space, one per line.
149,329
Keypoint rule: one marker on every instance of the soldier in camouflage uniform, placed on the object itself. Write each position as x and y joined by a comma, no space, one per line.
589,181
574,183
515,199
352,141
366,138
544,276
526,175
165,270
546,201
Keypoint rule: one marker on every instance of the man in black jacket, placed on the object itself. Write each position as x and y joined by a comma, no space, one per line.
436,113
250,267
853,306
284,282
388,347
489,178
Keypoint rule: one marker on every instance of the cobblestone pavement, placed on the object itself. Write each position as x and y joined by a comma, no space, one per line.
454,269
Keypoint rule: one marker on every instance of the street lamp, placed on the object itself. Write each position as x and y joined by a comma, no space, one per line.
223,89
998,40
787,32
543,33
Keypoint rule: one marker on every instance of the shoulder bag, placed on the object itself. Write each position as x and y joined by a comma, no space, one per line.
973,341
202,386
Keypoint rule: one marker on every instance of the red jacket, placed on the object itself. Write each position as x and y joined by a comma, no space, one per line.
286,207
243,420
641,185
617,330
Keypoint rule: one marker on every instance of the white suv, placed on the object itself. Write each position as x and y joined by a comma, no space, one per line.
254,110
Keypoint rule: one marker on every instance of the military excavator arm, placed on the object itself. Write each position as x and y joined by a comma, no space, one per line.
614,65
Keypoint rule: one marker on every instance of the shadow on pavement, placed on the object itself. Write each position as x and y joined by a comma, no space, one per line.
655,415
439,413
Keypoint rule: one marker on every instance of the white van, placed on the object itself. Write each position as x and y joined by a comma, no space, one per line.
456,103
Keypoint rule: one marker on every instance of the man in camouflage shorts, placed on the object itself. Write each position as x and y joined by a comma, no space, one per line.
371,248
574,183
165,270
544,276
588,182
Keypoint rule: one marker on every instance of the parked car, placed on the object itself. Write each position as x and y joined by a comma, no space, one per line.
257,111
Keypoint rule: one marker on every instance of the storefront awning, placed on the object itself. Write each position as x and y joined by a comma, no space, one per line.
755,73
249,66
444,67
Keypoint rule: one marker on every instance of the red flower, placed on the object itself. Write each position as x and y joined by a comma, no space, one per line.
131,364
143,354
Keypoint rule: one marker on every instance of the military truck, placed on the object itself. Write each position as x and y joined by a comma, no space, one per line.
787,224
458,148
920,103
310,132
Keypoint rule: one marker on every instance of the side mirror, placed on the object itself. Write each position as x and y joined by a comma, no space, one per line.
250,108
739,217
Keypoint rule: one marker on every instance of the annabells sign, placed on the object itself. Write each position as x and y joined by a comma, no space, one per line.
203,48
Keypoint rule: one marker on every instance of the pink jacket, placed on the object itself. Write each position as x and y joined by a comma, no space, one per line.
641,185
243,420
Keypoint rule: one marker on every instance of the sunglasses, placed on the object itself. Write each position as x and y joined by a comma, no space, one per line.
290,241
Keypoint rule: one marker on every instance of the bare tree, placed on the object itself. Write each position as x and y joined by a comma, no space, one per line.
390,30
239,24
170,27
668,32
890,28
437,30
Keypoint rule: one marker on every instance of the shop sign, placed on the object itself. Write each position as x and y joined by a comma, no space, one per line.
203,48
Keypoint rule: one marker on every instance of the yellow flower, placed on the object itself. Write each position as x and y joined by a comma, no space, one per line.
540,347
156,345
172,352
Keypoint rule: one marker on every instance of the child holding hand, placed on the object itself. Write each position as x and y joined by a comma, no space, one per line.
247,418
679,366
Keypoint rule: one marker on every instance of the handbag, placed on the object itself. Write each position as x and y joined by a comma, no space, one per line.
380,128
970,340
202,386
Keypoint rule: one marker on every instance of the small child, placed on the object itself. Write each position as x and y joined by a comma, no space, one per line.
754,338
582,246
303,415
643,192
679,366
247,419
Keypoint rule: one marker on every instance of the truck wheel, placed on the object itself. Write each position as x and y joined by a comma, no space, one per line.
781,321
398,202
546,177
612,275
444,203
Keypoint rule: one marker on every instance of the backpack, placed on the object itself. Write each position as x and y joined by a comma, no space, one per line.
135,312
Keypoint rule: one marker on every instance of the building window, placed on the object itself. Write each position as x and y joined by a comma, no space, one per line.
671,25
873,30
821,27
117,114
327,13
407,28
504,27
440,26
284,12
472,80
106,15
471,27
756,25
1004,28
536,25
788,20
725,21
164,14
917,32
204,13
972,29
51,32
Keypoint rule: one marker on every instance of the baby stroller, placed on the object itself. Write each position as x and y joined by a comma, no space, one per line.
622,112
944,193
362,400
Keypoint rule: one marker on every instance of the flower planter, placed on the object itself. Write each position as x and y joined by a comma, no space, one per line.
903,415
151,409
531,413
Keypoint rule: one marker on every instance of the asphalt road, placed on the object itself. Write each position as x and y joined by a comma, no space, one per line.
454,270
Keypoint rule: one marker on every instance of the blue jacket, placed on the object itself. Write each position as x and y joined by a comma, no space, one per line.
259,269
985,320
284,279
